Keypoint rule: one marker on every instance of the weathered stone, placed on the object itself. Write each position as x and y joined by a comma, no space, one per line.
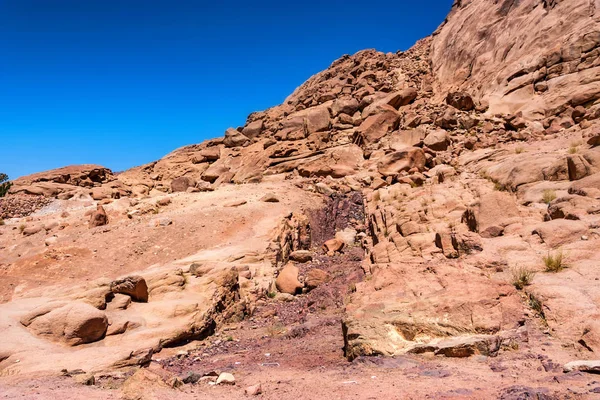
287,280
182,183
134,286
98,217
234,138
301,256
403,160
73,323
315,278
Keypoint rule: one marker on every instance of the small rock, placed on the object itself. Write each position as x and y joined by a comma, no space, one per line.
165,201
253,390
98,217
31,230
50,241
85,379
324,189
119,302
269,198
235,203
591,366
134,286
163,222
192,377
246,274
225,378
333,245
301,256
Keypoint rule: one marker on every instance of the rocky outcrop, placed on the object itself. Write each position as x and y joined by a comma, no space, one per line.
531,56
73,323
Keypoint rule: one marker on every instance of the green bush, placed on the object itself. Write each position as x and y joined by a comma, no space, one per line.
5,184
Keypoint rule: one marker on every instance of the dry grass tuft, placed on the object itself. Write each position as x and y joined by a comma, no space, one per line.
554,262
521,277
548,196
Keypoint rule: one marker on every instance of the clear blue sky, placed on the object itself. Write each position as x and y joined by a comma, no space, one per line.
123,82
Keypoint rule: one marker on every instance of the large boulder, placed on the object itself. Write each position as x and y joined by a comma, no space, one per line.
73,323
344,105
401,98
234,138
182,183
287,281
316,277
317,119
391,101
437,140
377,126
460,100
404,160
406,138
253,129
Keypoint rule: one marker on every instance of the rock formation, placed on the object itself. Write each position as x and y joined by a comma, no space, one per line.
441,201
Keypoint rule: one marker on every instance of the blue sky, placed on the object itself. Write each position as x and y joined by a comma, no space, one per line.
123,82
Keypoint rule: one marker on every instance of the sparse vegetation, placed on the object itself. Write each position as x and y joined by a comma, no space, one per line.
271,295
537,306
554,262
519,150
22,228
5,184
500,187
275,329
573,149
521,277
548,196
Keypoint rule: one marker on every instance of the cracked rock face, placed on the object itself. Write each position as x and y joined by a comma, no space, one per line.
531,56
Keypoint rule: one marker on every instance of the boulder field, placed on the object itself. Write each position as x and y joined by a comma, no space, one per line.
418,224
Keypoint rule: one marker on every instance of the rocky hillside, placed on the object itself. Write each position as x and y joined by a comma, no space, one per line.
432,204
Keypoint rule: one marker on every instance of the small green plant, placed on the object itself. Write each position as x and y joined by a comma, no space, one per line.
229,339
554,262
5,184
548,196
22,228
271,295
573,149
521,277
519,150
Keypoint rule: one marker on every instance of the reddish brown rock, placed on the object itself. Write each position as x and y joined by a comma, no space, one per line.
234,138
333,245
287,280
133,286
182,183
315,278
403,160
98,217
